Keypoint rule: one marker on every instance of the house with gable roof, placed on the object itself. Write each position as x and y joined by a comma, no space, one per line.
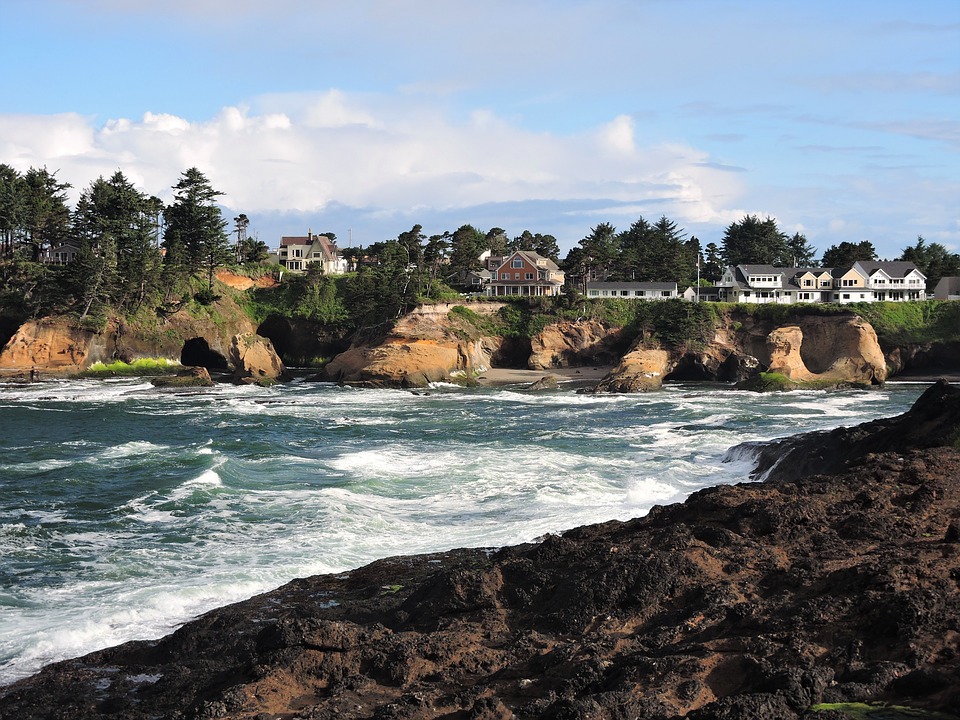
524,273
863,281
297,253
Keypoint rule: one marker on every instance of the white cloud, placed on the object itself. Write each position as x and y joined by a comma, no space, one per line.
361,151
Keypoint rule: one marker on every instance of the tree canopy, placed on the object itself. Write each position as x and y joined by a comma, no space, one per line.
847,253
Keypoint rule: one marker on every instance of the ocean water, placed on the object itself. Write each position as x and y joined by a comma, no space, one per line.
126,510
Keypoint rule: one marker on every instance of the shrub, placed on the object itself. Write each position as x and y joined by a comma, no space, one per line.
142,367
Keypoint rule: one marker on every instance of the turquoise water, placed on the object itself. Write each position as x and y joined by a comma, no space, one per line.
126,510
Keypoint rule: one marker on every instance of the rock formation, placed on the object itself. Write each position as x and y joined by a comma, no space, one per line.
254,361
54,346
641,369
758,600
188,377
827,349
423,347
576,344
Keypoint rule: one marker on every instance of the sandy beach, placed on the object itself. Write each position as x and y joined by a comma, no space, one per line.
513,376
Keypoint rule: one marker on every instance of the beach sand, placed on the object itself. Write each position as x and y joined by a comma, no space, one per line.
513,376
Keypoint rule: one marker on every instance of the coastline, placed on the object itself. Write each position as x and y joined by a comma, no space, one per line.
761,599
495,377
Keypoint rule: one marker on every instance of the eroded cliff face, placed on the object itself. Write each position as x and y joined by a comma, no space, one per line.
827,350
577,344
56,346
428,345
50,346
823,350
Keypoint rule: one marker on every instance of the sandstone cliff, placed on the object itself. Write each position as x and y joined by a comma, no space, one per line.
56,346
430,344
824,350
760,600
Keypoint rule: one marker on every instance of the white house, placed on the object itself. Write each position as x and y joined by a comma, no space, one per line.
631,290
863,281
297,253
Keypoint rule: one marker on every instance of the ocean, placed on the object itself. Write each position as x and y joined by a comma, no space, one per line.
126,510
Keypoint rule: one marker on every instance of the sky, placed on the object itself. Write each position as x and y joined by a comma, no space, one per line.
841,120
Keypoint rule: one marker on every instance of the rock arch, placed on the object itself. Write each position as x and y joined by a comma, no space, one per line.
197,352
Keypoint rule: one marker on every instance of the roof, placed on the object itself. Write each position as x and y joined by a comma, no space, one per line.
949,285
533,258
893,268
324,242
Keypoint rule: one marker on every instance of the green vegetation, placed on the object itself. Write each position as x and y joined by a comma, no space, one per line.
882,711
144,367
912,322
768,382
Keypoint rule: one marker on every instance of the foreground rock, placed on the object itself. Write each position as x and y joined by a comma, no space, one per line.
750,601
255,361
188,377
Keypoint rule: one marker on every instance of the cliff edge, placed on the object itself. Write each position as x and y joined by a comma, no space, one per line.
758,600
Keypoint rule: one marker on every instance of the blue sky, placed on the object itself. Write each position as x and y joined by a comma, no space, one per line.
362,117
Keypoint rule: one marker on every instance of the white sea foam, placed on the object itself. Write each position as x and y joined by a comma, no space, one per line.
306,478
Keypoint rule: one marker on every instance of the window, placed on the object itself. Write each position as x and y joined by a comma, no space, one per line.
640,293
516,276
504,276
846,296
624,293
666,293
528,276
517,263
807,283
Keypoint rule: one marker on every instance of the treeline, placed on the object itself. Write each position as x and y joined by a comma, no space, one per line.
661,252
122,251
117,250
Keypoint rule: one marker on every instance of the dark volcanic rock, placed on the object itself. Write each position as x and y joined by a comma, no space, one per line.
933,421
749,601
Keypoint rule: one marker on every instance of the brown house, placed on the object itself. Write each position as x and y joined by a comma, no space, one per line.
526,273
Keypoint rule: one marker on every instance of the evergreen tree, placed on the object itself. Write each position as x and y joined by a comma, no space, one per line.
712,267
194,236
12,208
933,260
46,217
753,241
847,253
802,253
466,246
496,239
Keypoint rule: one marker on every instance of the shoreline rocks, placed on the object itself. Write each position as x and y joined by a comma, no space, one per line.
758,600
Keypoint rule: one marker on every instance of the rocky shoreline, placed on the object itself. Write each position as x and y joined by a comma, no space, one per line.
761,600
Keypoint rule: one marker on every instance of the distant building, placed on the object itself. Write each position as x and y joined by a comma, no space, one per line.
297,253
524,273
631,290
60,254
947,289
863,281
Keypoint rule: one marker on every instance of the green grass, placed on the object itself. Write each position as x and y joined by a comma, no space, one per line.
872,711
143,367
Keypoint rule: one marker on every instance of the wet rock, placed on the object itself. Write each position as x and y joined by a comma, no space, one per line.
751,601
